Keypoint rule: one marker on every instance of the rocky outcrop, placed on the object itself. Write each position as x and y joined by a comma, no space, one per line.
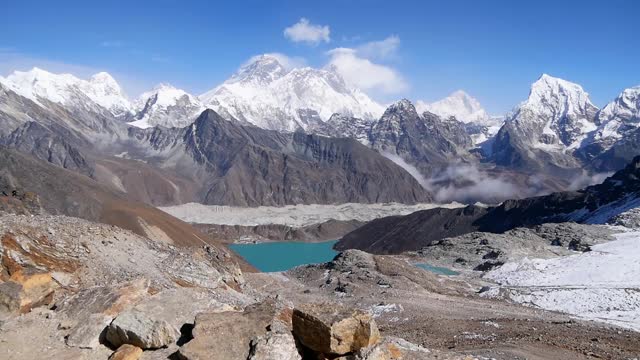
333,330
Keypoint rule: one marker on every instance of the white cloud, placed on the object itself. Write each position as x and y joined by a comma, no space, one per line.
364,74
304,31
382,49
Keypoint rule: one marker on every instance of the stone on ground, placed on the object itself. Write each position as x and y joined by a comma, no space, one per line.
334,330
137,328
126,352
25,290
228,335
88,312
274,346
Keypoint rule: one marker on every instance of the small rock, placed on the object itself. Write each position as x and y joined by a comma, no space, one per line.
126,352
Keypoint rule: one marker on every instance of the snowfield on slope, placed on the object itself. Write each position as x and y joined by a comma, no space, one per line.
601,285
292,215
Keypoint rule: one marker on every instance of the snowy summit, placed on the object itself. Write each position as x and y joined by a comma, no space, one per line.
267,94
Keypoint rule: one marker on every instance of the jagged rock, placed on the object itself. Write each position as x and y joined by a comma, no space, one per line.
274,346
228,335
488,265
26,290
126,352
137,328
332,329
93,309
88,333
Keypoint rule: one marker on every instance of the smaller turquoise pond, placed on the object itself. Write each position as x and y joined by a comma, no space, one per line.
437,269
281,256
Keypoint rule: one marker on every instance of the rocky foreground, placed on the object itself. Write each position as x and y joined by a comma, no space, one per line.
73,289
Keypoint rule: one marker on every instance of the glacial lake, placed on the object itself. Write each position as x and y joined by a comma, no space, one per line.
282,256
437,269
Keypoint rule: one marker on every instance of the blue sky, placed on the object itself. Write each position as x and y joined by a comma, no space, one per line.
491,49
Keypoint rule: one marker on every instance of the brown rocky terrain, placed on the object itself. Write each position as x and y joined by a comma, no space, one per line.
83,290
40,186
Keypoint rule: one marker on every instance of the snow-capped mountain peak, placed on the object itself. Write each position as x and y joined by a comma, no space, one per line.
262,69
402,105
100,91
557,113
619,116
166,106
266,93
549,91
459,104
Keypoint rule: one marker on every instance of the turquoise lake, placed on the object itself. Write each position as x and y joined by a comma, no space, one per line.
437,269
281,256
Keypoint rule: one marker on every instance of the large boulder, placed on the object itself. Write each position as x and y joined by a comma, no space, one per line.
228,335
25,290
333,329
138,328
88,312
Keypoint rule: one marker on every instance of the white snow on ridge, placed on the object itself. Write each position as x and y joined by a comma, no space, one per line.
291,215
601,285
166,106
622,112
68,90
266,94
562,109
459,104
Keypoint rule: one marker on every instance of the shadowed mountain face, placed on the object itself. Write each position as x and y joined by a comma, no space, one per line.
594,204
248,166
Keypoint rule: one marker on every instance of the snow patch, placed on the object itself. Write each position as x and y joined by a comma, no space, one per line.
601,285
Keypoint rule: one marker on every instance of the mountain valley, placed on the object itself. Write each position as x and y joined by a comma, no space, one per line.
460,235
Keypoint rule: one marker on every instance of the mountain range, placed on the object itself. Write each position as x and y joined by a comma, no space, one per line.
452,149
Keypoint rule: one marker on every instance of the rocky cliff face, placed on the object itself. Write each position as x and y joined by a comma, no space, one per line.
245,165
546,128
425,141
